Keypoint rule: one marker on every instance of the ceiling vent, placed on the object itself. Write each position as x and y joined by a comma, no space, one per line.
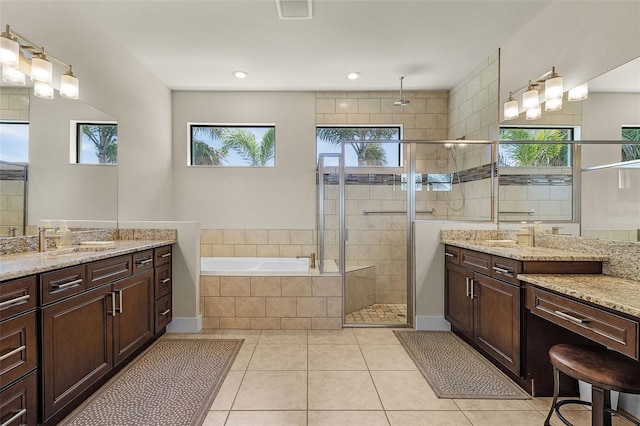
294,9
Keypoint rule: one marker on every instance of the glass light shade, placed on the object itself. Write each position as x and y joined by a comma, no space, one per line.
534,113
530,99
9,52
69,86
41,70
13,76
553,88
43,90
579,93
511,110
552,105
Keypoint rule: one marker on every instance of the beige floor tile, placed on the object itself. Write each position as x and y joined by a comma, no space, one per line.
376,336
408,390
369,418
580,418
279,357
228,391
332,337
243,358
387,357
544,404
289,337
267,418
336,357
342,390
215,418
249,336
272,390
494,404
205,335
505,418
427,418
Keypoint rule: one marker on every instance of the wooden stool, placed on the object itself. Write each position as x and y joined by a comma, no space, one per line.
604,369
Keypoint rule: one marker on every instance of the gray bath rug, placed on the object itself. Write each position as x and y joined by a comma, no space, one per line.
173,382
455,370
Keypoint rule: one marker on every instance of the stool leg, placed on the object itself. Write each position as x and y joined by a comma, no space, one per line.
598,399
556,391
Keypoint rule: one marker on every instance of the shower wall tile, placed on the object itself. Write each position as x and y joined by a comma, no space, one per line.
256,236
358,119
234,236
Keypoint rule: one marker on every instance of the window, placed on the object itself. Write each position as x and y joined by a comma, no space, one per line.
631,151
362,152
14,142
96,143
534,154
231,145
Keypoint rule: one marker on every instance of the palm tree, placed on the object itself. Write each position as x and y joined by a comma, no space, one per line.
631,151
370,154
105,140
245,145
533,154
205,155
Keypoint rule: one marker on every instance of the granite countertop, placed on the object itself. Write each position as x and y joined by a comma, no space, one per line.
29,263
526,253
618,294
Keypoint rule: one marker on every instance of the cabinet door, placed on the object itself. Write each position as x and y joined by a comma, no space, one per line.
133,323
77,347
19,402
497,320
458,306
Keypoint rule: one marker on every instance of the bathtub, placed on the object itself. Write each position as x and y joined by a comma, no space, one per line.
253,266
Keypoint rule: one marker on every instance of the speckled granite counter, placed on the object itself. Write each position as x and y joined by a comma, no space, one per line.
23,264
618,294
526,253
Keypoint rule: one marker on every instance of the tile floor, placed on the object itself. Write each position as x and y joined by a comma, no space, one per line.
379,313
354,376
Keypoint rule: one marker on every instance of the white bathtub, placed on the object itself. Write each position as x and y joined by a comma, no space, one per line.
253,266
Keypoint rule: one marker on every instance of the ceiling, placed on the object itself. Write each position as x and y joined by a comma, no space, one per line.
196,45
623,79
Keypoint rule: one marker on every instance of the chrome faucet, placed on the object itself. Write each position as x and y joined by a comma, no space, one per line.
43,236
532,236
312,259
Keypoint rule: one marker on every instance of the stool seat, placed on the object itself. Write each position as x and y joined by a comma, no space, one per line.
600,367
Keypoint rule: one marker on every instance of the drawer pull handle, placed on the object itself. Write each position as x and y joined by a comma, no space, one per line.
166,255
449,254
15,417
165,312
503,271
13,352
467,283
113,304
166,280
144,262
67,285
16,301
120,300
471,281
570,317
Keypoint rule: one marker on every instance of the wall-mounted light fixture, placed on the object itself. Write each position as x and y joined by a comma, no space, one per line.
553,93
20,57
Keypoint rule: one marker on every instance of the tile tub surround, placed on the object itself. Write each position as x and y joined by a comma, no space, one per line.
271,302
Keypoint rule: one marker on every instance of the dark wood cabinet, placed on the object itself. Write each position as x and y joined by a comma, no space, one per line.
163,289
19,402
458,305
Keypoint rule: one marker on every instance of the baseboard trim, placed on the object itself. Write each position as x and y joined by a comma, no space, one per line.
432,322
185,325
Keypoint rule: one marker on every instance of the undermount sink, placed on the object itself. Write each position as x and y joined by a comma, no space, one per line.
80,249
502,243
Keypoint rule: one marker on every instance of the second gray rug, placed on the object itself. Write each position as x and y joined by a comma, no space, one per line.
455,370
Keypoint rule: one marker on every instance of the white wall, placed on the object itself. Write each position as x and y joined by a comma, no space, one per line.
280,197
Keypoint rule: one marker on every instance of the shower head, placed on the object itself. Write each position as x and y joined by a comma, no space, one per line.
402,101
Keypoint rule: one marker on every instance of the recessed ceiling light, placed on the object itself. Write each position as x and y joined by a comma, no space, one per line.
353,75
240,74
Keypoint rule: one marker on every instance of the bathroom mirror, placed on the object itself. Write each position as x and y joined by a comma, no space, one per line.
57,187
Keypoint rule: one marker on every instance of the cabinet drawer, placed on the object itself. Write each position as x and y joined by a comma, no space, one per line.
604,327
163,255
163,281
452,254
19,402
109,270
476,261
62,283
17,296
142,261
18,347
505,269
163,313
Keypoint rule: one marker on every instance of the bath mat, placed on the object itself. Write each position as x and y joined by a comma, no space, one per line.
453,369
173,382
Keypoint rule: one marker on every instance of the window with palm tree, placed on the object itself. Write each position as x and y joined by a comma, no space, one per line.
540,154
362,150
223,145
631,151
97,143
